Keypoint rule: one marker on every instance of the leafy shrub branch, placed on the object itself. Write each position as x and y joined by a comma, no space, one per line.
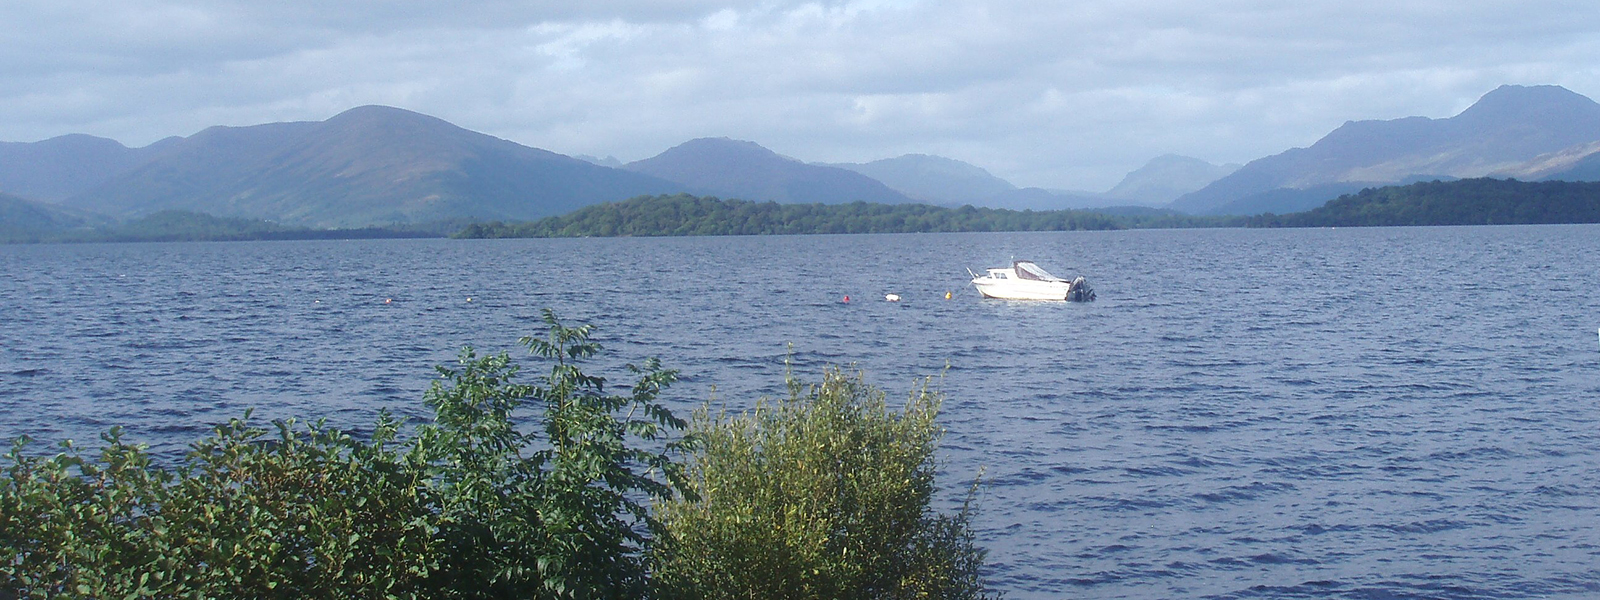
823,495
599,496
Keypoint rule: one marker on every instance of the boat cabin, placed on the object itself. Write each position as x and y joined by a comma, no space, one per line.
1028,270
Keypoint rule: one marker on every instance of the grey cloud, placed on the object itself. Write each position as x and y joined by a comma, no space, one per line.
1044,93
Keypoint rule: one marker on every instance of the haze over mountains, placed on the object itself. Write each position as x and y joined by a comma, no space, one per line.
1541,132
20,217
739,169
377,165
933,179
61,167
1166,178
949,182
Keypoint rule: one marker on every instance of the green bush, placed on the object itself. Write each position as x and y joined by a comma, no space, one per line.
308,512
470,507
824,495
557,516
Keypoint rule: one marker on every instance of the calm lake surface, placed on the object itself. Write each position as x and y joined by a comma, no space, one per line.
1351,413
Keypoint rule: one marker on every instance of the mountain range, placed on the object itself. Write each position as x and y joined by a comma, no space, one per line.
366,166
1166,178
1539,132
61,167
739,169
376,165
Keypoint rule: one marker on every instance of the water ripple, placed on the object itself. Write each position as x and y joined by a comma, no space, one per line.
1353,413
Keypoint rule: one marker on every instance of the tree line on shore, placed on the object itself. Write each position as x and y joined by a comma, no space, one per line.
1462,202
188,226
683,215
1482,201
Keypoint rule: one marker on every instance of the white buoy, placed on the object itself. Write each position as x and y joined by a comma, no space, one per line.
892,297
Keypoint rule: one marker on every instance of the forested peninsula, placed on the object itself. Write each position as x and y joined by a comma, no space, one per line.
683,214
1463,202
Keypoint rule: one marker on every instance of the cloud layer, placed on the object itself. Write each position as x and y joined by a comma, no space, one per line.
1044,93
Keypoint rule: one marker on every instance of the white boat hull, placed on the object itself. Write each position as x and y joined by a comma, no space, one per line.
1023,290
1024,280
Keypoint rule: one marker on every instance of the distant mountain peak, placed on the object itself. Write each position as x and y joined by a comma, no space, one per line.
376,117
380,111
607,161
933,163
721,140
1516,102
1167,177
59,167
724,148
370,165
933,178
742,169
1502,132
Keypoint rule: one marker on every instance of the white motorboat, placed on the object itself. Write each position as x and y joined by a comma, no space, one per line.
1024,280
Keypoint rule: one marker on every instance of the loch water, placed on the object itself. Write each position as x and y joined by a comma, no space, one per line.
1321,413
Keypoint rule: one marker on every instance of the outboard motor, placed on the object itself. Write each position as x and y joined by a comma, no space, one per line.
1079,290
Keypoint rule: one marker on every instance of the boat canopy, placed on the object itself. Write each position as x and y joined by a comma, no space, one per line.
1028,270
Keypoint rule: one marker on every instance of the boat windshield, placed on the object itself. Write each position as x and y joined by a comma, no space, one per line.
1028,270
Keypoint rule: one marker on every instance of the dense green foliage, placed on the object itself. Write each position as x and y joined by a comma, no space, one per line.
184,226
1462,202
309,511
589,499
554,516
474,505
825,495
683,214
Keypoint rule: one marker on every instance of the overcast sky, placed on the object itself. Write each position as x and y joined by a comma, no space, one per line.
1057,94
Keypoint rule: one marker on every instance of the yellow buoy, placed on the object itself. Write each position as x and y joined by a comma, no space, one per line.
947,295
